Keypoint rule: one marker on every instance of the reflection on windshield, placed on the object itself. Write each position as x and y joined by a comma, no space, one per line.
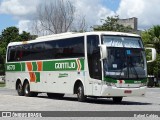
117,41
124,63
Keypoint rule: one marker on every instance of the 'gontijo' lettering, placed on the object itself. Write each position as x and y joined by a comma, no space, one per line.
65,65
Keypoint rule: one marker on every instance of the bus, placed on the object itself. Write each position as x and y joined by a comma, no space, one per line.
90,64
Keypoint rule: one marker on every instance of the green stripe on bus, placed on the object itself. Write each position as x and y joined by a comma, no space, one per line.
82,64
23,66
34,66
62,65
55,65
111,80
37,76
135,81
13,67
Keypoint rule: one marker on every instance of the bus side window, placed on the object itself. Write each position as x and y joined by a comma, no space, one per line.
19,55
13,54
93,54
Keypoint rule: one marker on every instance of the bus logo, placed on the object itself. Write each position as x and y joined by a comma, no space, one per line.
65,65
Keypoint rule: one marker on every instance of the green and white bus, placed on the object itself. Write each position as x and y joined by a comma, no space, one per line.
90,64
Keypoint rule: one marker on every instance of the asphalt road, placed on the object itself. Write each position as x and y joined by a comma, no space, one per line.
10,101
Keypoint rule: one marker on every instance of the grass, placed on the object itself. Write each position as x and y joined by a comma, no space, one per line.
2,84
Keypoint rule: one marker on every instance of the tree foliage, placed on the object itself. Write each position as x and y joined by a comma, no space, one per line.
111,24
11,34
151,38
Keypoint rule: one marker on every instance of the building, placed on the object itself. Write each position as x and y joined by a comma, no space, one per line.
132,22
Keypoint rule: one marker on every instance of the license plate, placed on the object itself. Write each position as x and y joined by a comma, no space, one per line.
128,91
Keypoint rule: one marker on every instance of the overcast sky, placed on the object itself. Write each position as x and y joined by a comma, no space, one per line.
19,13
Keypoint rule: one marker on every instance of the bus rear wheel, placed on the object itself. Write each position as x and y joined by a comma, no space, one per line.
55,95
80,93
27,91
20,90
117,99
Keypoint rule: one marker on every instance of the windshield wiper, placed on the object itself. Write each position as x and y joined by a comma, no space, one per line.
121,71
135,71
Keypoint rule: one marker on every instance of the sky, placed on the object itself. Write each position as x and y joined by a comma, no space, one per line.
20,13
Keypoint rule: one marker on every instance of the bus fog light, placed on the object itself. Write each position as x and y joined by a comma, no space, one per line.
110,84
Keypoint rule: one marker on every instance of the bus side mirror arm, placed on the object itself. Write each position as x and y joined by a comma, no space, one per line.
104,52
153,54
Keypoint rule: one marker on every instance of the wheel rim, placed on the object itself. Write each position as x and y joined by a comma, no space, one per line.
79,92
26,88
19,88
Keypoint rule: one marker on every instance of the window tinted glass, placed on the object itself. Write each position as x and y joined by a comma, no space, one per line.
68,48
56,49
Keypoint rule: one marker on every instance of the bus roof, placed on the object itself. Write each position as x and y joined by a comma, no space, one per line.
70,35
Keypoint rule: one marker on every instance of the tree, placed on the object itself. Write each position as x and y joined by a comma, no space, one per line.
25,36
56,16
151,38
11,34
111,24
1,65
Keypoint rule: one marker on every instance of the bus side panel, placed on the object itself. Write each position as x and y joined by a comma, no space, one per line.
41,84
53,82
88,84
10,80
63,81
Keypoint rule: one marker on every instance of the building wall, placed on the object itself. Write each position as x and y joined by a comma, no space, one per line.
133,22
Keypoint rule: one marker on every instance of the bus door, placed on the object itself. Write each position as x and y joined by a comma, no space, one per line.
94,64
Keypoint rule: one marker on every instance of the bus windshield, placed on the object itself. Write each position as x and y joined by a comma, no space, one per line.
127,61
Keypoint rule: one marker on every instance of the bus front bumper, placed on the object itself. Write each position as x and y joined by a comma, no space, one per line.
110,91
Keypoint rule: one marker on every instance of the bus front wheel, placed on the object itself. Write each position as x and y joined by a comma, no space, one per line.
80,94
27,91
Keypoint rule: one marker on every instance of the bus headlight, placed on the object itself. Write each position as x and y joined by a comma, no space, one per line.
109,83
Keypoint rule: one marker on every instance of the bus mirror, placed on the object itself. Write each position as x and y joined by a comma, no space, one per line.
153,53
103,51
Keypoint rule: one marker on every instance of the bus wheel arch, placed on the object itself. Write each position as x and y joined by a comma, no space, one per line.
79,90
19,87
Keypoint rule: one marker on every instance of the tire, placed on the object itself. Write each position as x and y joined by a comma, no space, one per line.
117,99
55,95
80,93
27,91
20,90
